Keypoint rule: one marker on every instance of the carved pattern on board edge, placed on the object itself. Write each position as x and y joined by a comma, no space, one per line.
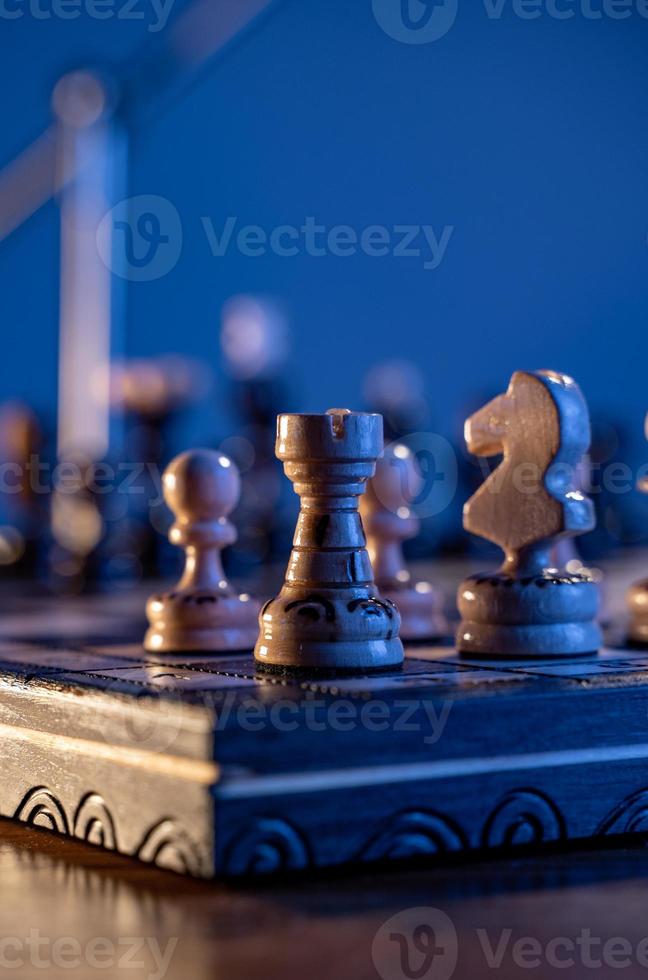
629,817
271,844
169,846
523,816
413,832
265,846
40,808
165,844
93,822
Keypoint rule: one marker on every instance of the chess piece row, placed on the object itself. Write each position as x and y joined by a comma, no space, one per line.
331,614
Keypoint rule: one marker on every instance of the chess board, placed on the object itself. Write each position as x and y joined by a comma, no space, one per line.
204,766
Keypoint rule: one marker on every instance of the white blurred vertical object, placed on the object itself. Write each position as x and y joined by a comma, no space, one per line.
92,147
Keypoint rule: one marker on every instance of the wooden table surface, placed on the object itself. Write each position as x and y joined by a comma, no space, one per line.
73,910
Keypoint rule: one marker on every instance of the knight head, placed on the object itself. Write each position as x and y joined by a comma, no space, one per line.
543,414
541,427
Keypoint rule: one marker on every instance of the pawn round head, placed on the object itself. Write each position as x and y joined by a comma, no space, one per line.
398,480
201,485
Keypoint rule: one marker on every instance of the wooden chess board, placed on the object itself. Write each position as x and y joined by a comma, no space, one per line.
204,766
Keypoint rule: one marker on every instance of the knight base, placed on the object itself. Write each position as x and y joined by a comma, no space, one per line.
547,615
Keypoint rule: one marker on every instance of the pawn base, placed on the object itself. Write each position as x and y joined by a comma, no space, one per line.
421,609
548,615
201,622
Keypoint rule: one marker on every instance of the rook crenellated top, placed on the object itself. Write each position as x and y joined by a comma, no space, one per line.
337,434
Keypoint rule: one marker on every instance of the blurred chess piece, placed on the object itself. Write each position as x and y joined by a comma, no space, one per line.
396,390
79,554
637,597
154,388
22,498
328,616
107,514
388,521
254,341
622,516
527,608
152,393
565,554
203,612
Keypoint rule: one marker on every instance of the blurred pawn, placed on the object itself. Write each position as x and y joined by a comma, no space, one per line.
388,522
22,508
566,555
152,393
203,612
396,390
254,340
154,388
622,516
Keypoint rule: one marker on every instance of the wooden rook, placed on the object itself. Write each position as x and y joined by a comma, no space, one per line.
203,613
328,616
637,597
528,609
389,521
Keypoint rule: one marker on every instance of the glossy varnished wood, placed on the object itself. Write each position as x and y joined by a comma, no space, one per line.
315,926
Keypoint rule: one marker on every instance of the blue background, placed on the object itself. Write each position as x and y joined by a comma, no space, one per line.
529,137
